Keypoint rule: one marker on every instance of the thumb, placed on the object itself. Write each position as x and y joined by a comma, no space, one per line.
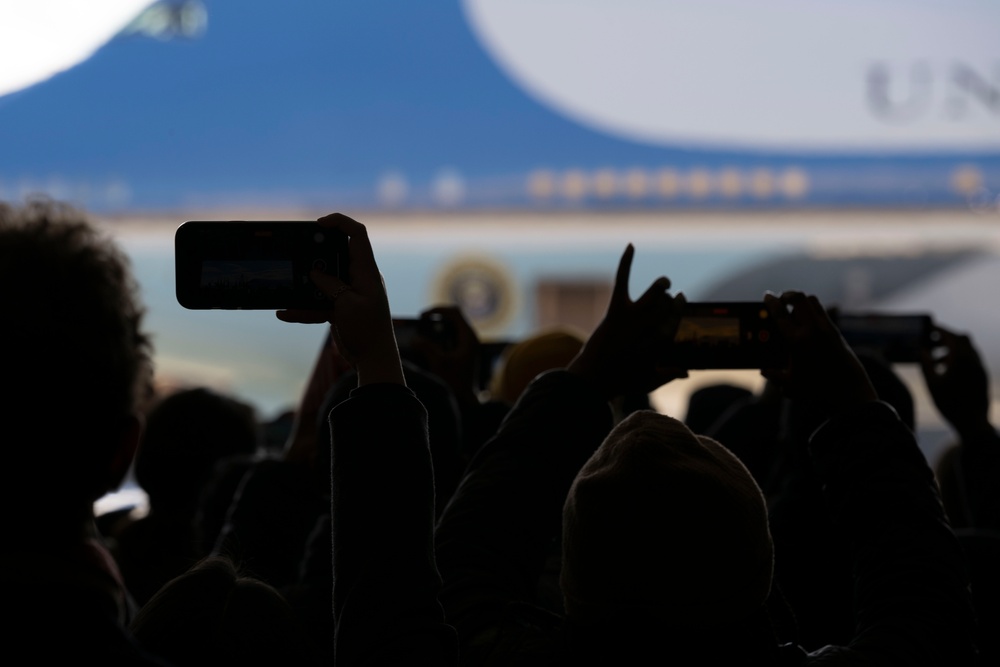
329,284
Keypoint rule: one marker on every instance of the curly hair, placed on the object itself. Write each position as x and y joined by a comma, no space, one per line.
76,361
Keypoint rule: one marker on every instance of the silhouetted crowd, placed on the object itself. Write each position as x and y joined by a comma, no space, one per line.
407,520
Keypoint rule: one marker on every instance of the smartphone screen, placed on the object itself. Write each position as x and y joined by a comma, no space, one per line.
709,331
724,335
255,265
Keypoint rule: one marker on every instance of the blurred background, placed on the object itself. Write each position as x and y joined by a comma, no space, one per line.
504,152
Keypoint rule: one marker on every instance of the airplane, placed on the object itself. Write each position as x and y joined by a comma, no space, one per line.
459,104
504,152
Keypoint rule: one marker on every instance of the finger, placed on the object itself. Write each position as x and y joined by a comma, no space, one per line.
678,303
453,314
344,223
329,284
801,303
362,257
620,292
927,357
352,228
792,298
799,310
674,315
946,334
304,316
778,309
656,290
961,343
816,308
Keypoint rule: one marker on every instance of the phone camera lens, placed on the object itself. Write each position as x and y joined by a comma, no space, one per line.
319,237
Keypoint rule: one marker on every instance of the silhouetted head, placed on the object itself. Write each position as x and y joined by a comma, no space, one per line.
76,361
707,404
214,615
522,362
187,433
662,520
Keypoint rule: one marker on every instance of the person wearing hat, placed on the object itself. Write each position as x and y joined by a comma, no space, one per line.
666,551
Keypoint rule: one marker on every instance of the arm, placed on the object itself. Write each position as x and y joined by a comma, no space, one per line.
329,366
911,591
494,535
912,603
959,385
385,577
458,364
385,602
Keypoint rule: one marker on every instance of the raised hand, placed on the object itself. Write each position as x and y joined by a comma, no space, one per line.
958,382
328,367
362,325
458,362
822,368
624,353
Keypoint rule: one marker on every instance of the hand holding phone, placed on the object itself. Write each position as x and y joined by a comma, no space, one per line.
358,309
624,353
821,367
443,342
958,382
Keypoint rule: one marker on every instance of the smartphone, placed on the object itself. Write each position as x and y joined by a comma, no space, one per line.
897,338
255,265
725,335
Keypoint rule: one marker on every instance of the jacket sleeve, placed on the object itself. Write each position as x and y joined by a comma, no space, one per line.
911,595
493,536
979,470
386,582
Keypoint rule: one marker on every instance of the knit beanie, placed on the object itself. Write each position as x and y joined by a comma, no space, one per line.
665,520
523,361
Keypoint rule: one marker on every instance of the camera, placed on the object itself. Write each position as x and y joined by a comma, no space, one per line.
896,338
725,335
255,265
